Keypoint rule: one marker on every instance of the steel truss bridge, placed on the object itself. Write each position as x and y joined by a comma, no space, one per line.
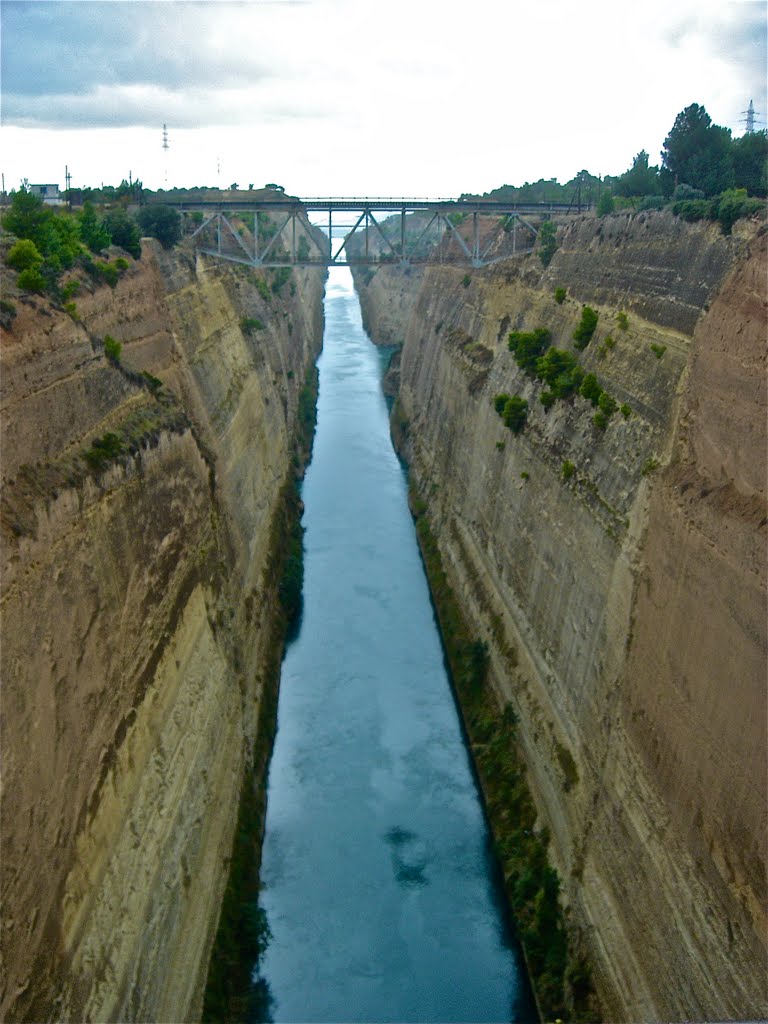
285,231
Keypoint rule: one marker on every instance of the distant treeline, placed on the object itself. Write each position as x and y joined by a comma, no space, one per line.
697,154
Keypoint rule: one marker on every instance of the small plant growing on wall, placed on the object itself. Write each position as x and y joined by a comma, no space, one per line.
586,328
515,413
112,348
466,280
249,324
568,469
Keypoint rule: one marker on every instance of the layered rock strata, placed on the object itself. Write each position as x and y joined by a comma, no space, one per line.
618,577
138,595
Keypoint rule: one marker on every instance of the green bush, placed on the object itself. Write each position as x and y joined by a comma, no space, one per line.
607,404
692,209
560,294
121,263
547,399
24,255
626,411
622,320
586,328
561,371
281,276
112,348
466,281
590,389
605,205
515,413
567,469
107,272
547,242
658,350
610,341
600,420
92,231
69,289
499,402
71,308
124,231
263,289
732,205
528,346
153,383
103,450
162,223
249,324
31,280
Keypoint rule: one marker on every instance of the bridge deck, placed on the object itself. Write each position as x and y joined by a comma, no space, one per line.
374,203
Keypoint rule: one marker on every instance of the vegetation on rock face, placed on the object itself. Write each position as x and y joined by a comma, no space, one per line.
161,222
586,328
559,977
547,242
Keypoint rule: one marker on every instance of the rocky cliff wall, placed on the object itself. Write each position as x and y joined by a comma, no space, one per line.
624,605
138,605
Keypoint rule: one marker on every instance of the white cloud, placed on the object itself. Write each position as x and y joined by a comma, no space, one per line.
361,96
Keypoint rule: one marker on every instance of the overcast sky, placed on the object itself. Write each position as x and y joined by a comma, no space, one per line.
363,97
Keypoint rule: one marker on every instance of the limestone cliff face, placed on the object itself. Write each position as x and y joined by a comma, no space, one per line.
137,603
624,605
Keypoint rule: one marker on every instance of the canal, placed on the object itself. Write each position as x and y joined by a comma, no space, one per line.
378,882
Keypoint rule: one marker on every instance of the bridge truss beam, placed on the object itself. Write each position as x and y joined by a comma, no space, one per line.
364,242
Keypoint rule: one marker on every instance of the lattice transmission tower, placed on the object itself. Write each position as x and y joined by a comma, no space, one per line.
750,118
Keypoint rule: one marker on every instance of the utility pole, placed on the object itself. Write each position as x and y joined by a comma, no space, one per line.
166,147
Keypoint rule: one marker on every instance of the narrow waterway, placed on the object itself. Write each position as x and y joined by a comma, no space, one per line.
378,883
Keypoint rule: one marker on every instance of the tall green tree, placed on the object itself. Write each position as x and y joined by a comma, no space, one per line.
750,162
92,230
639,180
29,217
161,222
698,152
124,231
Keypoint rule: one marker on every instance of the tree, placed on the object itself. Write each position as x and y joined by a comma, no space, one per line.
606,204
29,217
750,162
124,231
698,152
23,255
639,180
162,223
515,413
92,231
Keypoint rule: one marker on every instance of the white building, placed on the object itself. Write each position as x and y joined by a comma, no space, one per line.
48,193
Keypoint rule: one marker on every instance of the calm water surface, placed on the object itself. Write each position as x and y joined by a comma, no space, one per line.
378,884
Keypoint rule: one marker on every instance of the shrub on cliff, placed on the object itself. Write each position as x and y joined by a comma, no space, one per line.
92,230
561,371
162,223
23,255
590,389
586,328
528,346
31,280
124,231
547,242
515,413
